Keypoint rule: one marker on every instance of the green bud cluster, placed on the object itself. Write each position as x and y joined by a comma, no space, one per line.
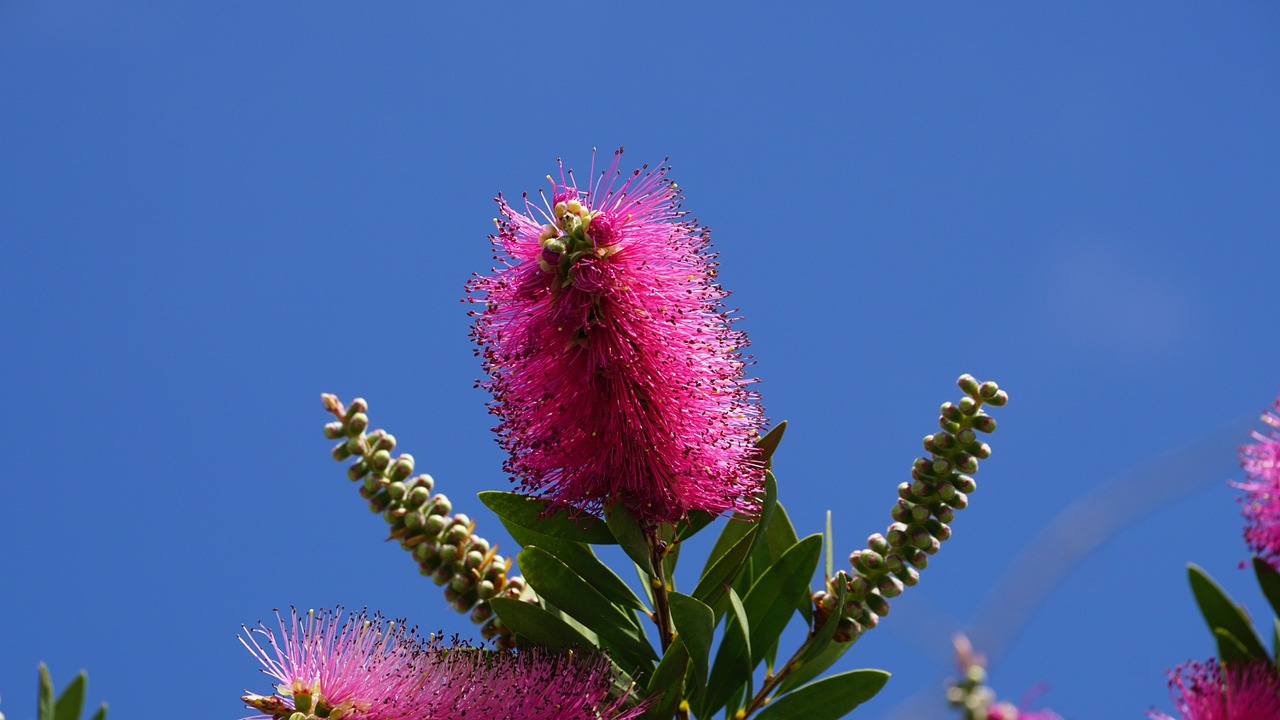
941,482
970,692
443,544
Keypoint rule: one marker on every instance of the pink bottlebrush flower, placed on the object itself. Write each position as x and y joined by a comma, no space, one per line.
353,669
1007,711
613,364
467,683
1261,463
1243,691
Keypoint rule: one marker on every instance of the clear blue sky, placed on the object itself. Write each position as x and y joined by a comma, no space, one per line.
211,215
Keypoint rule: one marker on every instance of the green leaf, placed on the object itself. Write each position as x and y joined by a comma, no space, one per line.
695,626
538,626
768,606
696,520
1275,639
744,636
670,559
780,535
829,541
668,681
102,713
815,657
828,699
71,701
45,710
582,560
1269,580
725,569
769,443
627,533
556,582
545,517
1221,612
1229,648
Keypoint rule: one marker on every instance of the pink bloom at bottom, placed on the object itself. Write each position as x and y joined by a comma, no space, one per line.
1243,691
1261,463
1006,711
362,668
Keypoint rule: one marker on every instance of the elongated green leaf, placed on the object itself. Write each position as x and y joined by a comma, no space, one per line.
669,565
1275,640
547,518
780,534
71,701
556,582
582,560
742,623
45,710
818,654
769,443
711,588
768,606
828,699
539,626
1229,648
667,682
695,625
1221,612
627,533
102,713
1269,580
737,528
697,520
829,541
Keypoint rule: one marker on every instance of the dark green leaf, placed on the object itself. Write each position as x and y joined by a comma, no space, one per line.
695,625
723,571
1230,649
71,701
769,443
828,699
547,518
102,713
780,534
697,520
45,711
737,528
1220,612
582,560
769,606
669,564
628,533
818,654
1269,580
538,626
743,672
667,682
556,582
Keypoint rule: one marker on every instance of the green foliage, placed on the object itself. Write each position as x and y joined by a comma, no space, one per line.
1269,581
1236,637
829,698
66,706
546,518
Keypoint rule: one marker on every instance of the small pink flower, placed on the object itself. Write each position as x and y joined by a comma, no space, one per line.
1261,463
354,669
614,369
362,668
1244,691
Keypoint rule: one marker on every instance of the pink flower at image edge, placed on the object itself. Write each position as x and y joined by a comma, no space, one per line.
1261,463
1207,691
615,372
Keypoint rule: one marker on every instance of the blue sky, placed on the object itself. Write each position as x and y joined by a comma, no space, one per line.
212,215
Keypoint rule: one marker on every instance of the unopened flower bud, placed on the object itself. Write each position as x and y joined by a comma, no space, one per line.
481,612
334,430
968,384
984,424
918,559
941,466
846,630
920,489
418,497
966,463
462,582
944,513
868,619
426,481
415,520
462,519
457,534
449,553
999,399
919,513
378,503
877,543
357,424
901,511
858,586
443,574
340,452
357,471
960,501
908,575
938,529
889,586
396,490
403,467
426,549
449,593
897,535
298,716
921,538
380,460
988,390
943,441
357,406
876,604
904,491
964,483
980,450
968,406
485,590
479,544
487,631
951,412
472,560
441,506
434,525
870,561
